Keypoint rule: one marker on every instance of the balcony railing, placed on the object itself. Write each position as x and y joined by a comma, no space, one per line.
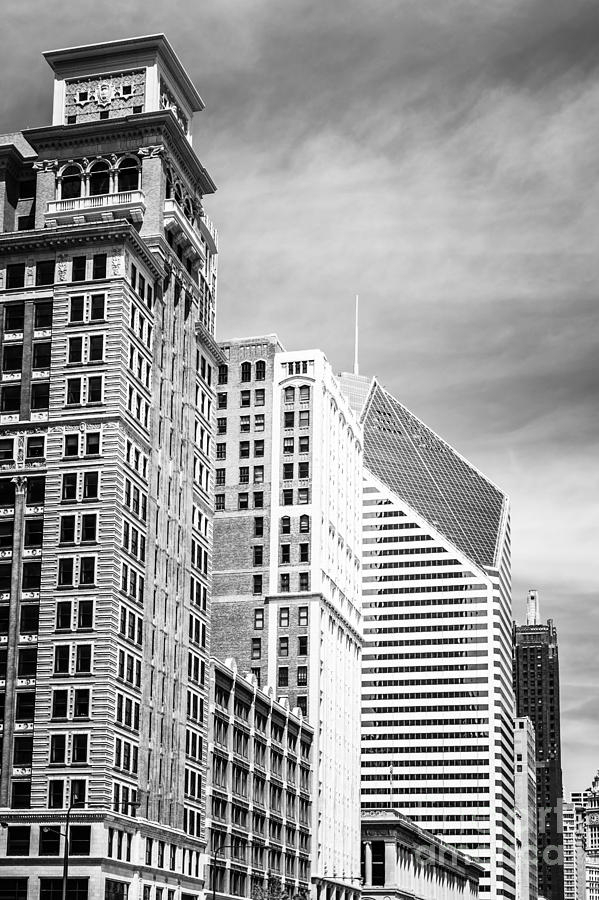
126,204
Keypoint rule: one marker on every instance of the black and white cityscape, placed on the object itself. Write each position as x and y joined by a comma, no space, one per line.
297,426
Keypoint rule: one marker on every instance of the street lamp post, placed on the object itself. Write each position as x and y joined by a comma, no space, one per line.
220,847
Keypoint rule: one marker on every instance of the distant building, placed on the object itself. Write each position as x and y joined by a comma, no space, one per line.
587,811
574,855
107,304
287,567
401,861
258,790
536,685
437,694
526,805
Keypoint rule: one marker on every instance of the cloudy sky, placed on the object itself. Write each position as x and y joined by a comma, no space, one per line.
440,160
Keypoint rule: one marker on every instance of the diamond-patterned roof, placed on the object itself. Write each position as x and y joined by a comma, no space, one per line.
432,477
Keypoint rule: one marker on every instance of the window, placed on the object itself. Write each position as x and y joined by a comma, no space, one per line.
97,303
259,448
83,659
258,526
221,451
36,491
87,570
63,615
42,317
302,616
99,179
36,448
94,389
62,657
58,745
287,471
244,449
304,552
284,583
12,358
258,619
283,679
88,527
304,418
15,275
78,274
67,530
79,754
17,840
284,646
302,676
90,485
75,350
302,645
285,525
259,422
49,842
246,371
92,444
304,581
303,495
289,394
304,444
289,420
81,704
259,397
302,704
223,374
303,469
32,574
258,555
56,794
96,348
243,501
73,391
60,704
244,475
85,615
6,450
246,398
79,840
257,584
221,400
256,648
260,370
128,171
288,445
219,502
11,398
244,424
44,272
285,553
40,396
258,499
221,426
258,474
287,497
304,393
219,478
284,617
65,572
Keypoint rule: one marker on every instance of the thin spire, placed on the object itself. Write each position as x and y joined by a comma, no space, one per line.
356,366
533,613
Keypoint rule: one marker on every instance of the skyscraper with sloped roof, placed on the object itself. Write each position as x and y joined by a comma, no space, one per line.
437,695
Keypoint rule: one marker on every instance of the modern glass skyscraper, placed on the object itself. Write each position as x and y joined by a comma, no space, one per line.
437,696
536,684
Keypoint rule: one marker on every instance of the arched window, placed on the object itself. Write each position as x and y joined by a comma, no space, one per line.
99,179
285,525
260,370
246,371
304,524
188,210
289,394
178,194
128,175
304,393
71,183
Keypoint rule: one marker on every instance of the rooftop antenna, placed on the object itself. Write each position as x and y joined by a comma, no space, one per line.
356,367
533,614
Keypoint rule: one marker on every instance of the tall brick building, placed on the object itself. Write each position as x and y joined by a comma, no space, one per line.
287,567
107,293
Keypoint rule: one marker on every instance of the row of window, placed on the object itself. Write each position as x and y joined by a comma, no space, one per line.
45,272
245,370
100,177
303,418
12,356
14,316
39,397
302,618
245,398
243,501
244,424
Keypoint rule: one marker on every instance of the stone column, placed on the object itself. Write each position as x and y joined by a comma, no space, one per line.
368,863
390,863
16,578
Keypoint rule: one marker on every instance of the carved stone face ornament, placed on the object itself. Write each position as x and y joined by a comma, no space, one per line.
104,93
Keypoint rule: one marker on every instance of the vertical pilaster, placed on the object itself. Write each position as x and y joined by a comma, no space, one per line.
368,864
13,640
